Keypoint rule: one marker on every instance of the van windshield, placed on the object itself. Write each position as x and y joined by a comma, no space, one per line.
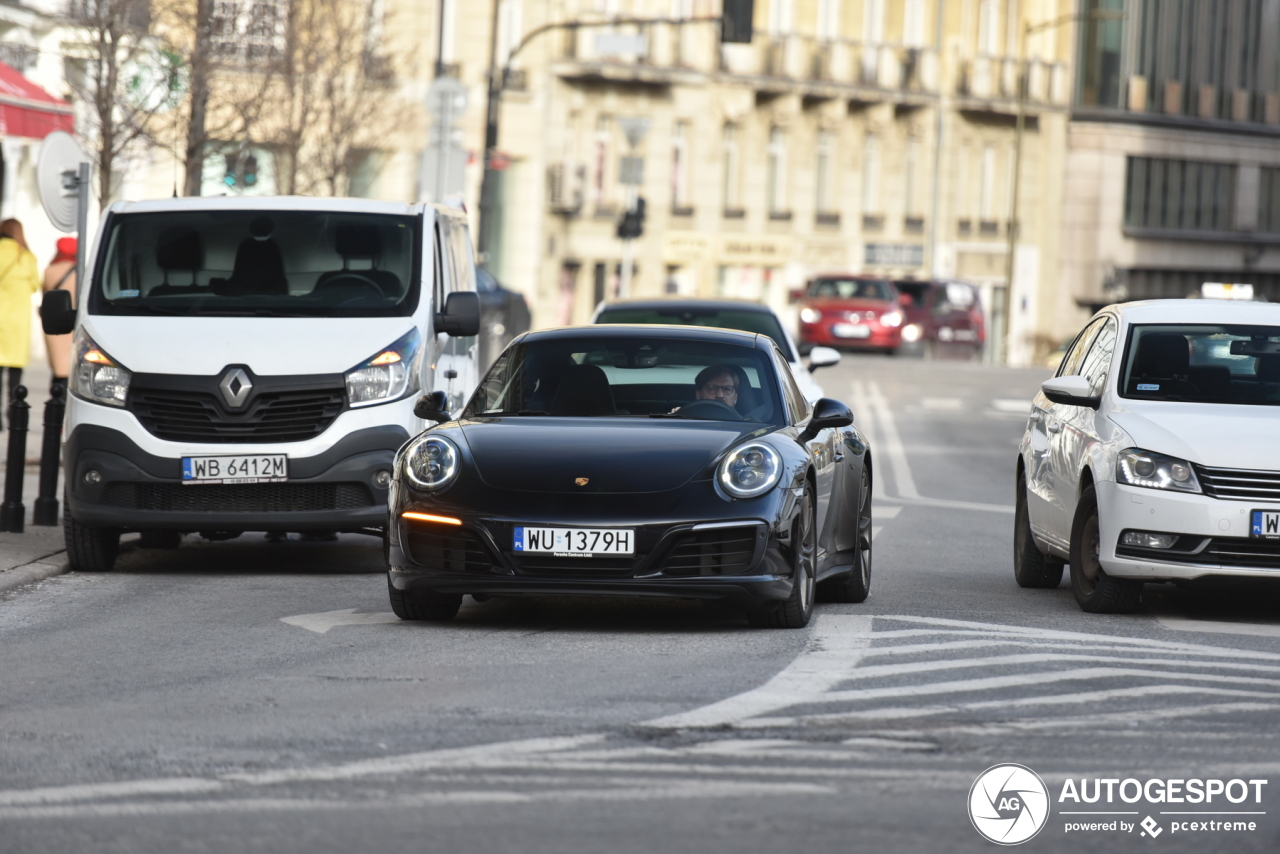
259,263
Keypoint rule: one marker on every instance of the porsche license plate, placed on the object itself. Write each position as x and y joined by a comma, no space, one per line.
256,468
575,542
1265,524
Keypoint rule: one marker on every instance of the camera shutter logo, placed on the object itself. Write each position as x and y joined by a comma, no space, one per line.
1008,804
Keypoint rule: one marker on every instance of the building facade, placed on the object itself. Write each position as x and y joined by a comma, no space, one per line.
1173,151
849,135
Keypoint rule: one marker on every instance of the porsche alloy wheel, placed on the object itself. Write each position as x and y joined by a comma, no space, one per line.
795,611
855,585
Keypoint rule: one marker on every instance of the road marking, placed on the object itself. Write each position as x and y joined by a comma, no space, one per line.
1266,630
944,404
891,442
325,620
890,511
1020,405
124,789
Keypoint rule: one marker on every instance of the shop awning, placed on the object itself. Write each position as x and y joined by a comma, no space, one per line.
27,110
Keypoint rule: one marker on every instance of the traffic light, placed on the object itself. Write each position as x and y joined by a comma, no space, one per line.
250,171
735,21
231,178
631,225
241,171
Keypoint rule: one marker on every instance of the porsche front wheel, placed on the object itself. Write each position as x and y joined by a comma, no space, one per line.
795,610
423,604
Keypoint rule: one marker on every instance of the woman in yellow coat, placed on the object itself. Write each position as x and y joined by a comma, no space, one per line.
19,279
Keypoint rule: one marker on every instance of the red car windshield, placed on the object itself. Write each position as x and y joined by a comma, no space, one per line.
833,288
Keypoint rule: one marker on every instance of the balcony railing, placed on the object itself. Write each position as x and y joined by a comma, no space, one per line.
996,77
805,58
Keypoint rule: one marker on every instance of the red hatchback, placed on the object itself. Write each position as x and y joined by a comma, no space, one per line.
857,312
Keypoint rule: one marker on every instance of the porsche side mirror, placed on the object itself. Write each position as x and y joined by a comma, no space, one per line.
1070,391
57,317
461,315
433,407
823,357
826,413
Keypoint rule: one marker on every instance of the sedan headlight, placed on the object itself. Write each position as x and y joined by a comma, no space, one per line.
431,463
749,471
389,375
891,318
96,376
810,315
1137,467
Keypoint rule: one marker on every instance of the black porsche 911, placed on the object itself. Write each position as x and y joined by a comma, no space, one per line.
635,460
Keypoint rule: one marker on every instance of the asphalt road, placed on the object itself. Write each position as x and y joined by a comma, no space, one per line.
249,696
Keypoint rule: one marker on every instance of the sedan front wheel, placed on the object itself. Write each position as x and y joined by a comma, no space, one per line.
1097,592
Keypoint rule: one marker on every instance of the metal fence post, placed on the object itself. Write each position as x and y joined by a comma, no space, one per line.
45,511
12,512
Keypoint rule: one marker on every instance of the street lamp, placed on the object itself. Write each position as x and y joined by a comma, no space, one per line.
999,353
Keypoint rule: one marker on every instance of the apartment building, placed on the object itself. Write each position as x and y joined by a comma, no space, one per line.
849,135
1173,151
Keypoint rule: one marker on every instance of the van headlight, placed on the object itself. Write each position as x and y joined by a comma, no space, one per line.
1137,467
431,462
96,376
749,471
390,374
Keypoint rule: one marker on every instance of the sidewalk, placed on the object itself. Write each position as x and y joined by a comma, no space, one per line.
38,552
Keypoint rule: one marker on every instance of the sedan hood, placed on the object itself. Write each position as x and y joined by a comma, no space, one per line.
1224,435
538,454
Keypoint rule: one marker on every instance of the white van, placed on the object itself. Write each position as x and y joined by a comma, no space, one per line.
252,364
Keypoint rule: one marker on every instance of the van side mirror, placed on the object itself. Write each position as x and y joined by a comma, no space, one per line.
461,315
57,317
433,407
827,413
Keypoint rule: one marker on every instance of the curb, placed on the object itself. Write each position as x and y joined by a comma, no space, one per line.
37,570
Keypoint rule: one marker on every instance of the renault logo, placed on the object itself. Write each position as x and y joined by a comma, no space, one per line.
235,387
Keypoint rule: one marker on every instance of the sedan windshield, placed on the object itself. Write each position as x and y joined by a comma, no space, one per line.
1203,364
259,263
760,322
642,377
848,288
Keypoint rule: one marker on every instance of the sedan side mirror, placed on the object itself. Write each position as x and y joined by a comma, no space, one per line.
1070,391
461,315
57,317
433,407
905,300
827,413
823,357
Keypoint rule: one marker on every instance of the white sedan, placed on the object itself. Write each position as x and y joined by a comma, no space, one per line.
724,314
1153,454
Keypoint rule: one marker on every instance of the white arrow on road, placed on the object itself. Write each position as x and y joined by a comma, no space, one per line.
322,622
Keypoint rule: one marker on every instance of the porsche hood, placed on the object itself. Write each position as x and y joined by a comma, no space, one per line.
595,455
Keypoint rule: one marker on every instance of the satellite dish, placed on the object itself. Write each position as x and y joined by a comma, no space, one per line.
57,179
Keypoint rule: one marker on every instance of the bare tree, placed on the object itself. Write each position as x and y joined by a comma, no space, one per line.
127,81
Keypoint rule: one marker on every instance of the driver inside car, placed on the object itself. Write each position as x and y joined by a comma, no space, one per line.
717,382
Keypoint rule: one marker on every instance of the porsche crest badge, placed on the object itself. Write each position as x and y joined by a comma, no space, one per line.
582,481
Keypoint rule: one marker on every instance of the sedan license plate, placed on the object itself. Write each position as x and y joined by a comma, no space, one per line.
1265,524
851,330
575,542
258,468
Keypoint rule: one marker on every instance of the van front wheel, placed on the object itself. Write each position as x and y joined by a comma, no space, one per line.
89,548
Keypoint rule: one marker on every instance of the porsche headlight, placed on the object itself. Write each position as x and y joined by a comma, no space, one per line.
810,315
431,463
96,376
1137,467
389,375
749,471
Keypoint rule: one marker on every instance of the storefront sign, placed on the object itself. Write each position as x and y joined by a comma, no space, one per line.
894,254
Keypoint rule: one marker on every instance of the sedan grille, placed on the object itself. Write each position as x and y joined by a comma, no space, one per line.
448,550
719,551
1239,484
239,498
1235,551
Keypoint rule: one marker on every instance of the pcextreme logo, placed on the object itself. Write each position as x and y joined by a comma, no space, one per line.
1008,804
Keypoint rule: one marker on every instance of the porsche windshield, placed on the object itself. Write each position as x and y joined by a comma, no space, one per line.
1203,364
631,377
259,263
761,322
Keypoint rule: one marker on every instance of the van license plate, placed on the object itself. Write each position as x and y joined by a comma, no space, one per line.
258,468
1265,524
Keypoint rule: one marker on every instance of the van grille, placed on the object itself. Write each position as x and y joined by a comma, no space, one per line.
239,497
1239,484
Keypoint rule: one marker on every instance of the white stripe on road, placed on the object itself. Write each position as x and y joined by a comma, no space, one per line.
1266,630
833,652
942,404
322,622
891,442
1020,405
90,791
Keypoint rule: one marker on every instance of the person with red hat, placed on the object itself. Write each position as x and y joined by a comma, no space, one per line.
61,275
